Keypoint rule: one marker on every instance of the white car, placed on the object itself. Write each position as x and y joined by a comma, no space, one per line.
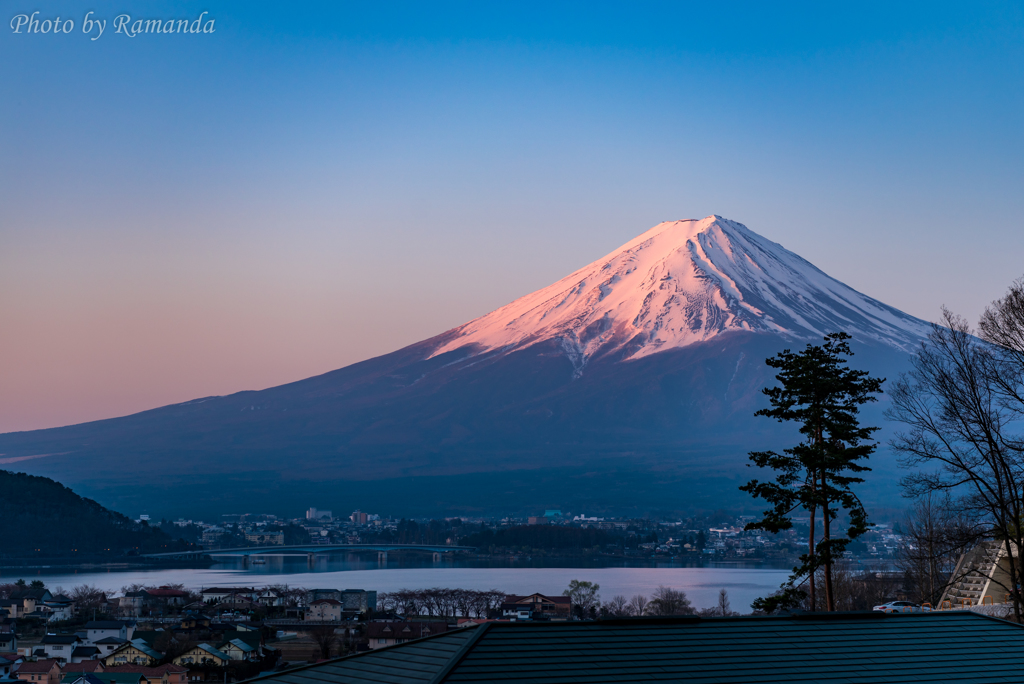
901,607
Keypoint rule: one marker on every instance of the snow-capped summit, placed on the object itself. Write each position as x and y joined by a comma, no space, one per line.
683,282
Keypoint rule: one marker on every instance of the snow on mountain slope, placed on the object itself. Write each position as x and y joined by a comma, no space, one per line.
683,282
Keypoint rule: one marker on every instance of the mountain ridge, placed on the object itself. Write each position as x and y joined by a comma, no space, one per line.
569,384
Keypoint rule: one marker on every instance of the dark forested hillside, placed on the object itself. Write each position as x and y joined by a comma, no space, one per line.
41,517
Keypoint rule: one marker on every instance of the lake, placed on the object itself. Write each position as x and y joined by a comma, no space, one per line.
744,582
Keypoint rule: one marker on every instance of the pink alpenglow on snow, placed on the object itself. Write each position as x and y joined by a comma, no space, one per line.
683,282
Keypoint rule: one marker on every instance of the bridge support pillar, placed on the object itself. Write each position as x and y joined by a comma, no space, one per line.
437,557
310,559
382,557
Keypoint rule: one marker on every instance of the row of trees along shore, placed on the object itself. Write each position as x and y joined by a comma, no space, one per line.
960,412
585,598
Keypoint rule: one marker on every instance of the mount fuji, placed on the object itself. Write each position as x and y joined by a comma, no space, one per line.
627,386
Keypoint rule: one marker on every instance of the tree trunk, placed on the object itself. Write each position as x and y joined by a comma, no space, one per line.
1015,578
810,553
830,604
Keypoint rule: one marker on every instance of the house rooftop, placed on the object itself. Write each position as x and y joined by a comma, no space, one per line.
37,667
82,677
154,671
84,666
846,648
115,675
213,651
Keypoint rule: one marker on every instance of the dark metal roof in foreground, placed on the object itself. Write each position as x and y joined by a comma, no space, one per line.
839,648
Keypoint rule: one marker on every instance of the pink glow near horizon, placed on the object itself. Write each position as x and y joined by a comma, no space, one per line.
184,218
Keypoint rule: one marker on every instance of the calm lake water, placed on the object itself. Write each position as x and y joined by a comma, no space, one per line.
523,576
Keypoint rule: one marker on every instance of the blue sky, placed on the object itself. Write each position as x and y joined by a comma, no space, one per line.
312,185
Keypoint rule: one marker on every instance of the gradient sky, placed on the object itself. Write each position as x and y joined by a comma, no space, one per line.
309,186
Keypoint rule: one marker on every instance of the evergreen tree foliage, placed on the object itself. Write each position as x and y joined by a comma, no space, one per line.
820,393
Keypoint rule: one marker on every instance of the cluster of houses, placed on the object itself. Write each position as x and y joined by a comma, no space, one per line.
112,644
314,605
88,672
190,646
36,602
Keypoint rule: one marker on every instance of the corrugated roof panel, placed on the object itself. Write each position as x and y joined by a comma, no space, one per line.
832,649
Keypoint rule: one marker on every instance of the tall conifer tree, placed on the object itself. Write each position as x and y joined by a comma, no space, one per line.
820,393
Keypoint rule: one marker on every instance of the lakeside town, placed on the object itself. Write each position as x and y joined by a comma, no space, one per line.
172,634
718,537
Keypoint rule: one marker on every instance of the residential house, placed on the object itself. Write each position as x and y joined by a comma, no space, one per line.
190,622
237,602
537,606
59,607
95,630
60,646
381,634
81,678
160,674
150,636
85,653
45,671
269,597
324,610
31,598
166,596
131,603
8,662
12,607
82,666
8,642
203,654
108,645
115,676
135,652
239,649
219,594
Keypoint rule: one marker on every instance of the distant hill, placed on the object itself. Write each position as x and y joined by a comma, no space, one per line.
41,517
625,388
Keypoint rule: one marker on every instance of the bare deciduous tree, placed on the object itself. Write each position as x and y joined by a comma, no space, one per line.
87,597
442,602
962,403
618,607
639,605
584,597
936,533
326,639
669,601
